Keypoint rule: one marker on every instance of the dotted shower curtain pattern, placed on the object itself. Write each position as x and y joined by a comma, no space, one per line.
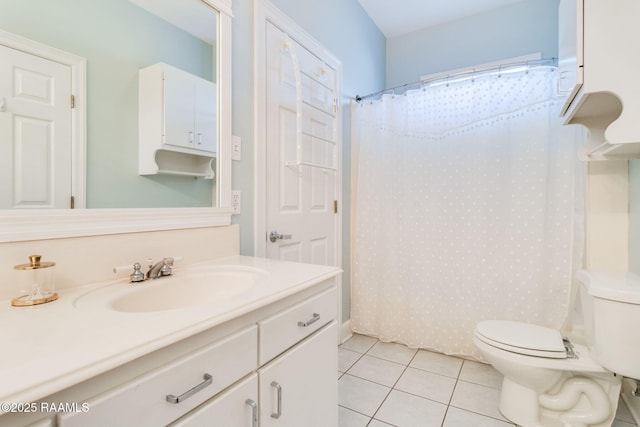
468,206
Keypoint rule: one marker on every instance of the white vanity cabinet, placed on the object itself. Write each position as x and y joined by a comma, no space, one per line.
598,62
177,122
273,365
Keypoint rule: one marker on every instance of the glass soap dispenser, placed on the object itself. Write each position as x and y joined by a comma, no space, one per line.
37,282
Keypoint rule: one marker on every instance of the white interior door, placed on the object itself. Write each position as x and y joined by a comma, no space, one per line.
35,131
302,146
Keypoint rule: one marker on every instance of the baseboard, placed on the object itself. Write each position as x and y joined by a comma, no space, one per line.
633,402
345,331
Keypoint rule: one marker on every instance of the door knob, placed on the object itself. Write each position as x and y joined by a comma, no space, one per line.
275,236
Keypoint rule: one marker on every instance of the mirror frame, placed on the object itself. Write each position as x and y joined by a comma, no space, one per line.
24,225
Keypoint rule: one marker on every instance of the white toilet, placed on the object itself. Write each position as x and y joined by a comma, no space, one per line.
550,382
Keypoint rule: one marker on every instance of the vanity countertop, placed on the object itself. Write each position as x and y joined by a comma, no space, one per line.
51,347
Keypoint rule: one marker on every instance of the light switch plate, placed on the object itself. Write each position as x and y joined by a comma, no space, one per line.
236,202
236,148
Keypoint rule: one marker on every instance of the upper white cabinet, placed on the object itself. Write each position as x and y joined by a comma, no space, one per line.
177,122
598,44
570,50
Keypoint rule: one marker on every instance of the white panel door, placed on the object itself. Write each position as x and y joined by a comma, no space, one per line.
301,152
35,131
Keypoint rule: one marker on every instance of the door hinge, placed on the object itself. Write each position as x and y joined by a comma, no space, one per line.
335,105
72,202
335,206
73,101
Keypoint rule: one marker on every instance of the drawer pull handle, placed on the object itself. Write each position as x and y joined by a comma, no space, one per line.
314,319
278,388
254,412
208,379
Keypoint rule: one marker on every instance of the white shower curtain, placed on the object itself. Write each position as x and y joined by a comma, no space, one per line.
468,206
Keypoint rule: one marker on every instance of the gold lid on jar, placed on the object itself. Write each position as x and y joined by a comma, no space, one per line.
34,263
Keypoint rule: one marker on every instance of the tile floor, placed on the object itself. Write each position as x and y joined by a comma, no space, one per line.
386,384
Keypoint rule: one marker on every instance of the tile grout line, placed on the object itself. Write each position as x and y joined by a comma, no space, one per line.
390,388
404,370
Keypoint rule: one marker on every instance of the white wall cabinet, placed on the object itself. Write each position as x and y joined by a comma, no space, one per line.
598,61
177,122
570,50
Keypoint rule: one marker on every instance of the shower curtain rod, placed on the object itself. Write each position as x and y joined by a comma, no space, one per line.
471,72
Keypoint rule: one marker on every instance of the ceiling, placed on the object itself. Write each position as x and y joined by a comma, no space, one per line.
404,16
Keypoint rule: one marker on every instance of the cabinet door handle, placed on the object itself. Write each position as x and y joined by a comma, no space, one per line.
278,388
208,379
190,137
313,319
254,412
199,138
562,77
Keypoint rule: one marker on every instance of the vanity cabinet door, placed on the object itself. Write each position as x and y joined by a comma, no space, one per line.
236,407
300,387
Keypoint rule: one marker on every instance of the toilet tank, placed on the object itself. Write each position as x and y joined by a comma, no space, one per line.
611,310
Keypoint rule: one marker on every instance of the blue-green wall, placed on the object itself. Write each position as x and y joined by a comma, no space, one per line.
116,38
519,29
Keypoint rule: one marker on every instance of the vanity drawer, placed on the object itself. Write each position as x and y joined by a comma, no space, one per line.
285,329
144,401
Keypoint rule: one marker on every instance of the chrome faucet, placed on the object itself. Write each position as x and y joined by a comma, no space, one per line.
160,268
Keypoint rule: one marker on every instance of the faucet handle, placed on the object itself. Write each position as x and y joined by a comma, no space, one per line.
167,263
136,276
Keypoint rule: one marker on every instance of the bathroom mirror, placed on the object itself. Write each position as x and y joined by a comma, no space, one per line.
112,180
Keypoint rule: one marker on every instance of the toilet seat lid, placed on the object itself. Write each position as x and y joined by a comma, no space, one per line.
522,338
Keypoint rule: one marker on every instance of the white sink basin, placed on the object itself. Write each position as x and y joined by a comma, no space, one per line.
182,290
